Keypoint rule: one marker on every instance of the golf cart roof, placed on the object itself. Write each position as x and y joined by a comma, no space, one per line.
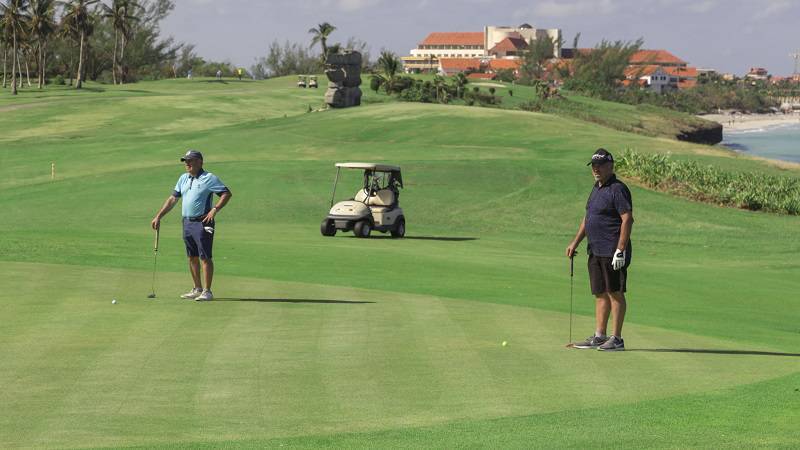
369,166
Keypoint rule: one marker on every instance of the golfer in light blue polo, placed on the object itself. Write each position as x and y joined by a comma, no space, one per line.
196,187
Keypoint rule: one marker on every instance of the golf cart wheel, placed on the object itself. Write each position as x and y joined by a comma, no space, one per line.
399,228
362,229
328,228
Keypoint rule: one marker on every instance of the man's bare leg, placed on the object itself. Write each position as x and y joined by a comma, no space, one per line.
618,307
208,272
602,309
194,269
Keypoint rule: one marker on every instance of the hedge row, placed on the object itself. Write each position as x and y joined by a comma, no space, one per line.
747,190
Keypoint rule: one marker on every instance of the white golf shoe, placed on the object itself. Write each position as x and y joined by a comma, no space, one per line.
193,294
205,296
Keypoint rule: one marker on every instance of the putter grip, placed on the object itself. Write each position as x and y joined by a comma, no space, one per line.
155,244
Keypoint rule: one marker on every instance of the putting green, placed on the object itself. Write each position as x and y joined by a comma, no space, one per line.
281,359
370,343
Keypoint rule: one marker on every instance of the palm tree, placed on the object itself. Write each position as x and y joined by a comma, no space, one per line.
4,38
42,26
15,20
320,34
389,65
460,80
77,24
121,15
438,84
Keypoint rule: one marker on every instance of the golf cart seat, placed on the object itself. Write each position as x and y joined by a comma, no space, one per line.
383,197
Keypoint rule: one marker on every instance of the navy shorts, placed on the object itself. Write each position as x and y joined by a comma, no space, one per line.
198,237
603,278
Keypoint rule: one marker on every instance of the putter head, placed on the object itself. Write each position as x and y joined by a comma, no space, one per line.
570,345
153,295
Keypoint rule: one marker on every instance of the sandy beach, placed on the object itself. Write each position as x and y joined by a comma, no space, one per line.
745,122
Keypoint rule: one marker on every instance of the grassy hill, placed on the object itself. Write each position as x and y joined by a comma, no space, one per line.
348,342
642,119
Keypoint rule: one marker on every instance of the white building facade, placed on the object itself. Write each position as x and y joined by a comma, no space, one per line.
471,45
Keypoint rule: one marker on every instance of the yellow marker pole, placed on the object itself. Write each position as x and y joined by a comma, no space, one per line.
52,171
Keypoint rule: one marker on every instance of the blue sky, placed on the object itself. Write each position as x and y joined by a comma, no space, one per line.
727,35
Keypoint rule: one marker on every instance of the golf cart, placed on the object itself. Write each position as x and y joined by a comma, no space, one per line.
375,206
301,81
312,81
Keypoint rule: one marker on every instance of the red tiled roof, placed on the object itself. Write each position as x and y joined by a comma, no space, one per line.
482,76
681,72
459,38
627,83
499,64
459,64
641,71
655,57
509,44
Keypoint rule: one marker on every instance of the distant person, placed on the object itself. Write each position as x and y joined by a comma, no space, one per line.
196,187
219,74
240,74
607,223
189,74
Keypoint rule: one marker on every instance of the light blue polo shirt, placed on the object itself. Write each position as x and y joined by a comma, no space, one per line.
197,192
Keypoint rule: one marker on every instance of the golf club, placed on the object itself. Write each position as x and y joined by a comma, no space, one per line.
571,284
155,261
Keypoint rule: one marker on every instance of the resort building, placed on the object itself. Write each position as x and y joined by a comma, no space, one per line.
492,43
757,73
660,71
500,41
484,54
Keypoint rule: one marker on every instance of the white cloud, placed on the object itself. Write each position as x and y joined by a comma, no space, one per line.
702,7
574,8
769,8
355,5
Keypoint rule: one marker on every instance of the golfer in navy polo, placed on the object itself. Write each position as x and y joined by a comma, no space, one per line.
607,224
196,187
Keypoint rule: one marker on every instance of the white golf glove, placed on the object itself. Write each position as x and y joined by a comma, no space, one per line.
618,262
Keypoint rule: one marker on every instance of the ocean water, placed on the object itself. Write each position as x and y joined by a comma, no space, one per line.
778,142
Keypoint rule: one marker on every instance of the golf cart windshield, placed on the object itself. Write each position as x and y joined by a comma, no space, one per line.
375,181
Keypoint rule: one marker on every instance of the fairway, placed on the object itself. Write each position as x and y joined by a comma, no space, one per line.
380,342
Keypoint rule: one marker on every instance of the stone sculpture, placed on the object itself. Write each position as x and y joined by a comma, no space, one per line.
343,69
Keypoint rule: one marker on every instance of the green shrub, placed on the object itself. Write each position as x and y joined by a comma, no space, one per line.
747,190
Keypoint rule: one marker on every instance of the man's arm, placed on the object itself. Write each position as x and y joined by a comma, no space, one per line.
223,200
578,238
167,207
625,230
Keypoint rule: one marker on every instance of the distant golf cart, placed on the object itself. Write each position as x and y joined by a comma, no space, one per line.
375,206
312,81
302,81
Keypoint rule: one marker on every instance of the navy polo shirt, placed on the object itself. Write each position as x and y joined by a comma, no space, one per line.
604,211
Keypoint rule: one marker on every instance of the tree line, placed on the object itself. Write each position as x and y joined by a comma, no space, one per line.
117,41
292,58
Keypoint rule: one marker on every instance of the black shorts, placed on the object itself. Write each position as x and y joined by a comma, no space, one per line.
198,237
603,278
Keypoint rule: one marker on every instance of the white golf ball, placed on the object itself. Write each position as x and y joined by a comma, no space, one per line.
505,343
114,301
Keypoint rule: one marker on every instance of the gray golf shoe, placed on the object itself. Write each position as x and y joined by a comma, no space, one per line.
590,342
193,294
613,344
